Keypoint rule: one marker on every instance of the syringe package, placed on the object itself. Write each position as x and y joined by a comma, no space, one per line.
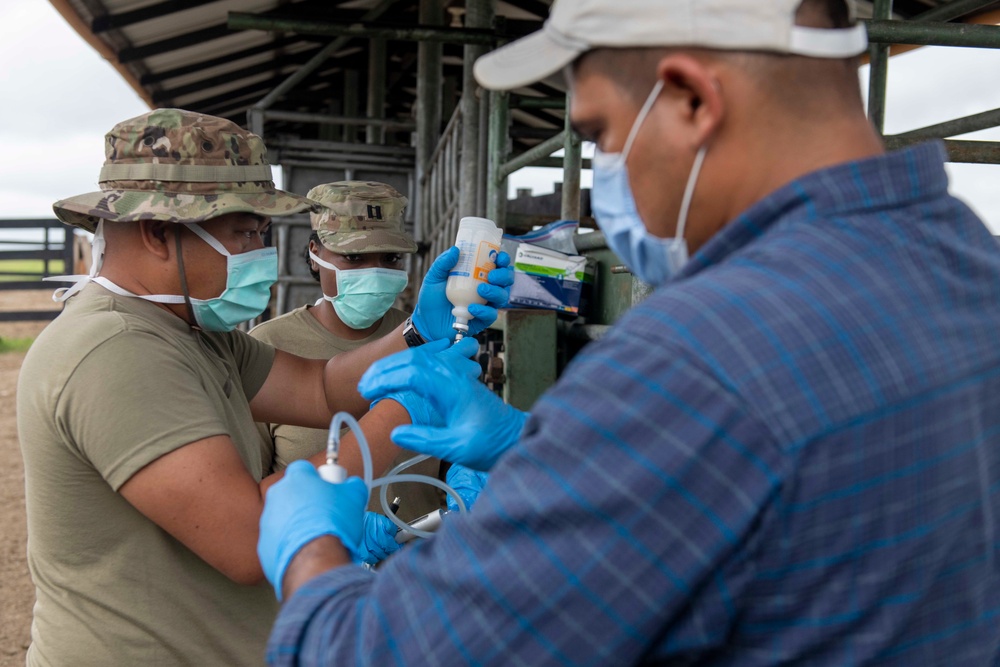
548,279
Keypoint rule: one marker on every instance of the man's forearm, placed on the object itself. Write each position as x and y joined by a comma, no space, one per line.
345,370
377,426
319,556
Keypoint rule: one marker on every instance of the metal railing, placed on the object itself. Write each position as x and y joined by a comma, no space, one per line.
440,188
47,250
932,29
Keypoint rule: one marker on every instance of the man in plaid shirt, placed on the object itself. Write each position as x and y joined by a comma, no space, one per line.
788,454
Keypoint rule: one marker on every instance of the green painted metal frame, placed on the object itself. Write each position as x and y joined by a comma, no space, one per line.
930,29
529,349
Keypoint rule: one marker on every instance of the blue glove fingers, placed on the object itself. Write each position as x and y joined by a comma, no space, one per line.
501,276
458,358
406,371
495,296
416,378
467,484
407,359
447,445
421,412
464,349
503,261
431,440
432,316
302,507
483,316
445,262
300,470
380,538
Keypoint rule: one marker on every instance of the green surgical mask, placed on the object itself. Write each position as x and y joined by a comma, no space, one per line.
249,276
363,295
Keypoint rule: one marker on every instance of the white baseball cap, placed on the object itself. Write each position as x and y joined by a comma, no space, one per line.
577,26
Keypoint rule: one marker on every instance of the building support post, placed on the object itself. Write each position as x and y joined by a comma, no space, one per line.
429,75
478,14
376,90
572,163
879,71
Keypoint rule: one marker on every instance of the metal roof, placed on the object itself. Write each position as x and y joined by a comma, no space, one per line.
183,53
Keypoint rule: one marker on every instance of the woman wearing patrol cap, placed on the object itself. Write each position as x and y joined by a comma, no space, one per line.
356,253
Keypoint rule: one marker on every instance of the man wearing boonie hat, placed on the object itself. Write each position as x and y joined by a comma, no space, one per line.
144,472
355,253
789,454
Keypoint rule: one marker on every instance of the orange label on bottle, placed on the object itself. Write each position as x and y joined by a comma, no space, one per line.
486,260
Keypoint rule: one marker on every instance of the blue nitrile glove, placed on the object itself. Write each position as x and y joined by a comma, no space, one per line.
477,426
423,412
302,507
379,540
432,317
467,484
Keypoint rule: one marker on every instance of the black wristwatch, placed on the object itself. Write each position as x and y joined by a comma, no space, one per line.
411,336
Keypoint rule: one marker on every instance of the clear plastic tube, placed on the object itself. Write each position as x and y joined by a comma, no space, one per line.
384,491
333,444
425,479
393,476
333,451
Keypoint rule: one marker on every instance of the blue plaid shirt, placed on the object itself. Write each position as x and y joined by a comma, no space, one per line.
789,455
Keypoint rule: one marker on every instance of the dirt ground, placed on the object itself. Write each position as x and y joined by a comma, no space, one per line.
17,594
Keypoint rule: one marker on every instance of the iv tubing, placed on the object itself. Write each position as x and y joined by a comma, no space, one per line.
384,491
393,476
333,450
425,479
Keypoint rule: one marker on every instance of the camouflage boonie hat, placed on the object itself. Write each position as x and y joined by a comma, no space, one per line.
360,217
180,166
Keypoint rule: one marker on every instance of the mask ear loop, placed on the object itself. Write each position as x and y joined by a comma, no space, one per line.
327,265
682,217
643,112
184,286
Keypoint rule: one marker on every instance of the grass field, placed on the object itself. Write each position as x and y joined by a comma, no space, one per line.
15,344
26,269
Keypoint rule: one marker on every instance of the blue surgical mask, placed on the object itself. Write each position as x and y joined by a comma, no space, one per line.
363,295
650,258
249,276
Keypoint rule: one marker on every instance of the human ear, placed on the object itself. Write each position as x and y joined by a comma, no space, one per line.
314,249
696,88
154,237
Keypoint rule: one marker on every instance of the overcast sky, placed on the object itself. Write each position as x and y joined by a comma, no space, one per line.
58,97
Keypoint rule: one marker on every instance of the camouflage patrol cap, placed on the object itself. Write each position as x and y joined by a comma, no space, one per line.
180,166
360,217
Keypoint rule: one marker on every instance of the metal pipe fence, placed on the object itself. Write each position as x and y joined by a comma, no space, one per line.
15,249
441,188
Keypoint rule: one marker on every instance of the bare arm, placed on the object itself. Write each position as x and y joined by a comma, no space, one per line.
377,426
203,495
307,392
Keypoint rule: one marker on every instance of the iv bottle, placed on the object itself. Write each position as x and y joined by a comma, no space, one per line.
478,242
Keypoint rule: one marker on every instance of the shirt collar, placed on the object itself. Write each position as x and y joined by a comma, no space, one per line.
885,181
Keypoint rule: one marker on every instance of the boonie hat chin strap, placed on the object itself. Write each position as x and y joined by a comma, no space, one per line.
80,281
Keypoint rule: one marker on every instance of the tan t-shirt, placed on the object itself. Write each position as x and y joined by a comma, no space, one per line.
111,385
300,333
